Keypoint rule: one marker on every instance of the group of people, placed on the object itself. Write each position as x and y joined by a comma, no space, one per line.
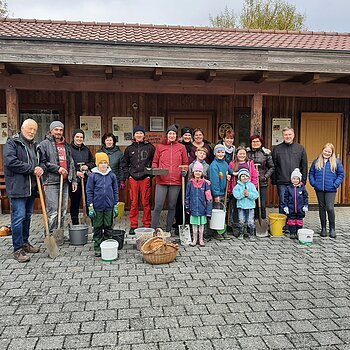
213,175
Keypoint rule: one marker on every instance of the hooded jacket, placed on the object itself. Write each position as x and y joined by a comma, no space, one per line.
244,202
102,190
18,168
170,155
137,157
199,200
218,170
295,198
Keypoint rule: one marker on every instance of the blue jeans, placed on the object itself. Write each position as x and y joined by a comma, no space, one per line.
281,189
22,210
246,217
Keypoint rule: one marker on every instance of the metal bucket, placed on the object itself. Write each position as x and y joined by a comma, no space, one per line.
217,221
78,234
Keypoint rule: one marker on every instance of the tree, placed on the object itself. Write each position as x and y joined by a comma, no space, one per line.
226,19
264,14
3,8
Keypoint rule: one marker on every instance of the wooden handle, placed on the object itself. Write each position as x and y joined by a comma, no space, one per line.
83,194
43,207
257,169
226,190
59,214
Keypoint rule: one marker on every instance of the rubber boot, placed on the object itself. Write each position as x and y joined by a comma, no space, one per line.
201,234
332,233
252,234
194,237
240,232
293,232
97,238
323,232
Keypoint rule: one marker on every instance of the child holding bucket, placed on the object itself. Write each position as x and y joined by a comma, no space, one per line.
102,197
220,174
198,203
246,193
295,203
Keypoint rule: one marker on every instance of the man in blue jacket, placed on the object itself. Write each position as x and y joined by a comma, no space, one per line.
21,167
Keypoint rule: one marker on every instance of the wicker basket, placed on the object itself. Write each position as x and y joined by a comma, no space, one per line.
157,251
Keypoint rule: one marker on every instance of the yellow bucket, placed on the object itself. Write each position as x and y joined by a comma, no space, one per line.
277,222
121,208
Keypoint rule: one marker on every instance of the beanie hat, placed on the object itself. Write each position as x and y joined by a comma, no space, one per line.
186,130
296,173
78,131
56,124
138,128
100,156
198,166
172,127
243,171
219,147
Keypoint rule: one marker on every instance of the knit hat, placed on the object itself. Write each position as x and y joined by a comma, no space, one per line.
78,131
138,128
198,166
219,147
186,131
172,127
100,156
296,173
243,171
56,124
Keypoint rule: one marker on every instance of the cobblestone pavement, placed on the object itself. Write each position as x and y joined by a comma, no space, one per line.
270,294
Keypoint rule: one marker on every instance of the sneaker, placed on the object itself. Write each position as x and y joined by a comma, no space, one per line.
226,236
28,248
21,256
241,237
132,231
252,238
218,236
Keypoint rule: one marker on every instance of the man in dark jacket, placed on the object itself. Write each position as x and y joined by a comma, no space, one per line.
56,160
287,156
21,167
137,157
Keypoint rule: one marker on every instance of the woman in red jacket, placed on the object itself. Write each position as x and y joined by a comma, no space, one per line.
169,155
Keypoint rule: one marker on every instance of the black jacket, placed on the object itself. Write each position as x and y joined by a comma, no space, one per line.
286,157
137,156
81,155
19,170
263,157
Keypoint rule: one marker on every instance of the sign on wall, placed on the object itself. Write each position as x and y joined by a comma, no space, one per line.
91,125
122,129
3,128
155,137
278,124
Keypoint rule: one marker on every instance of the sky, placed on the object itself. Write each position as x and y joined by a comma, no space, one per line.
321,15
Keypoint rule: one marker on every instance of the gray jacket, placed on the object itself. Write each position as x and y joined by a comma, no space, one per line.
50,163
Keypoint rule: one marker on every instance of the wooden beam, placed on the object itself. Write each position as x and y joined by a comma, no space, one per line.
57,70
210,75
311,78
256,115
109,73
12,111
4,71
261,77
157,73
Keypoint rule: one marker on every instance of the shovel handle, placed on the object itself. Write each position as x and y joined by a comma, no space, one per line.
59,214
43,207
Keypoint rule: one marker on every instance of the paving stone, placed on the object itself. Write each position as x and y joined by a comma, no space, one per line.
77,341
199,345
110,339
53,342
174,345
252,343
21,343
278,341
327,338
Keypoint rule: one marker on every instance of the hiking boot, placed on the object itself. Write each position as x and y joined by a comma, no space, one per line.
28,248
21,256
332,233
132,231
323,232
218,236
226,236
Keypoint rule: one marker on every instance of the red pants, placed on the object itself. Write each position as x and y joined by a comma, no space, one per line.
143,187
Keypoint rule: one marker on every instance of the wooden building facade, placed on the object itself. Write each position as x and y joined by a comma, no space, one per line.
193,76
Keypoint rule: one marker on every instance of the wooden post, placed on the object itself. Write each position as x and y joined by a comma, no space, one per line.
12,111
256,115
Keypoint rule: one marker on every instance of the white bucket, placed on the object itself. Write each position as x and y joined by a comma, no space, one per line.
109,250
217,221
305,236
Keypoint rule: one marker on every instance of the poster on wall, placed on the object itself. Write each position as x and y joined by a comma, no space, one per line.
91,125
122,129
3,129
155,137
278,124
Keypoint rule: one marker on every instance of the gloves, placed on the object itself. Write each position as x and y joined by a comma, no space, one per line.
286,210
92,213
183,173
122,185
115,211
305,209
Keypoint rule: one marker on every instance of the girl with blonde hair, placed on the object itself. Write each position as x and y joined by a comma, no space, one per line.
326,175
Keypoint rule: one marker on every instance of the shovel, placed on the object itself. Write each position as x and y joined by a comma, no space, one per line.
184,229
59,232
261,226
85,219
49,240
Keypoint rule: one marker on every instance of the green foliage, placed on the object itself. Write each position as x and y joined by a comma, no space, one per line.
263,14
3,8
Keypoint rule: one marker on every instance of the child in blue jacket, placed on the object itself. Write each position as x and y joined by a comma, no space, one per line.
246,194
295,203
198,203
102,197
